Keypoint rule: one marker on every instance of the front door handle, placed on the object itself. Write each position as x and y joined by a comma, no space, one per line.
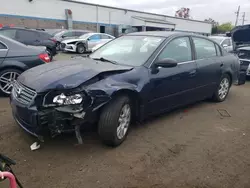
222,64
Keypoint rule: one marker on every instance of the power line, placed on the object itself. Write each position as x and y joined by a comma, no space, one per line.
237,15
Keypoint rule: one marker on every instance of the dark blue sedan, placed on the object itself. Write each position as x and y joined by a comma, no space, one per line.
129,78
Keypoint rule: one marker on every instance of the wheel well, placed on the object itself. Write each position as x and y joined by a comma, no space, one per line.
230,76
134,98
11,67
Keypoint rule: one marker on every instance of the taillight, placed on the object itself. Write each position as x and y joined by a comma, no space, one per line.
54,40
44,57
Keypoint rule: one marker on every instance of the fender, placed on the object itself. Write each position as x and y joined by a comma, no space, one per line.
13,64
82,42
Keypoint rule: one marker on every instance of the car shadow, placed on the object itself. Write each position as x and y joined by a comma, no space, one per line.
68,142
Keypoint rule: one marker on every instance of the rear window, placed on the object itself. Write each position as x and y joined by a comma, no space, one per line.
45,36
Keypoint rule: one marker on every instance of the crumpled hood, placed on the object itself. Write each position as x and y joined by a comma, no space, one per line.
72,40
66,74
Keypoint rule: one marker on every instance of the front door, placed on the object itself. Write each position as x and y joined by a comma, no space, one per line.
171,87
93,41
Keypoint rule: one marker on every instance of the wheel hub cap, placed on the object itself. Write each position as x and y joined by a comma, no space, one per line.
223,89
6,81
124,121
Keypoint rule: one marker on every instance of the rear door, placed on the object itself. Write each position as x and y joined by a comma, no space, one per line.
209,65
105,38
3,51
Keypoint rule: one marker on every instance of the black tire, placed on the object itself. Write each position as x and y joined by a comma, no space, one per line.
80,48
58,44
49,52
216,96
109,121
2,73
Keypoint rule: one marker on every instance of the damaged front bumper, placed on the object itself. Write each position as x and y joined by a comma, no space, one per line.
51,121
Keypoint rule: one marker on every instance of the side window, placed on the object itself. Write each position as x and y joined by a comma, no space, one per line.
45,36
2,46
105,36
226,42
11,33
218,50
26,35
178,49
204,48
95,37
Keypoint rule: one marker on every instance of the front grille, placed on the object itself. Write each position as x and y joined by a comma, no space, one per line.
63,45
23,94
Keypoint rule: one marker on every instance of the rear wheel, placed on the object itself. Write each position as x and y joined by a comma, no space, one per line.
115,120
223,89
80,48
7,78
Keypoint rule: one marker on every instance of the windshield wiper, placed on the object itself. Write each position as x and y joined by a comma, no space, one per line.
105,60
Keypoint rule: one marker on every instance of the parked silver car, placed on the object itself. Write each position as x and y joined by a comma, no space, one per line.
85,43
225,42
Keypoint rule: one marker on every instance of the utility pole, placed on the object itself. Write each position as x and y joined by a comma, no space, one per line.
243,18
237,15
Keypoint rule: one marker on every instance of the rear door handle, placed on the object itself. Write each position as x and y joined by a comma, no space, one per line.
222,64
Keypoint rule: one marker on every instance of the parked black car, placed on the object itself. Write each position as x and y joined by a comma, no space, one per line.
31,37
15,58
129,78
61,35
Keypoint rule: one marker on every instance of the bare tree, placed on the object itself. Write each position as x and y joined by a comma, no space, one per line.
183,13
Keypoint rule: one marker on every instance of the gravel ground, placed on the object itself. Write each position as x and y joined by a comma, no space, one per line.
201,146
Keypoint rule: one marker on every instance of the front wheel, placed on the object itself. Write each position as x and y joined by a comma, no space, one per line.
80,48
223,89
115,120
7,78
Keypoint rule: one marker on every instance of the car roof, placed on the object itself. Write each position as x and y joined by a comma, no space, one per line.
222,37
27,29
164,34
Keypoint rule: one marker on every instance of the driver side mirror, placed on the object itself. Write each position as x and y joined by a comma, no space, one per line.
224,45
63,36
166,63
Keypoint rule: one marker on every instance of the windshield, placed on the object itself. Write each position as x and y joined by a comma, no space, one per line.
128,50
217,39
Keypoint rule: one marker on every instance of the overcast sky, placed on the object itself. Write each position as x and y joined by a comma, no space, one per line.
219,10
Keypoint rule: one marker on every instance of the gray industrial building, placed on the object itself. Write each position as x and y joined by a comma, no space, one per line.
52,14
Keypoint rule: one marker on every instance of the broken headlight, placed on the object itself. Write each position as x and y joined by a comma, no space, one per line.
62,99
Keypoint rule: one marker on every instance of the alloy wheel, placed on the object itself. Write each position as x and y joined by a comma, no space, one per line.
223,88
124,121
6,81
